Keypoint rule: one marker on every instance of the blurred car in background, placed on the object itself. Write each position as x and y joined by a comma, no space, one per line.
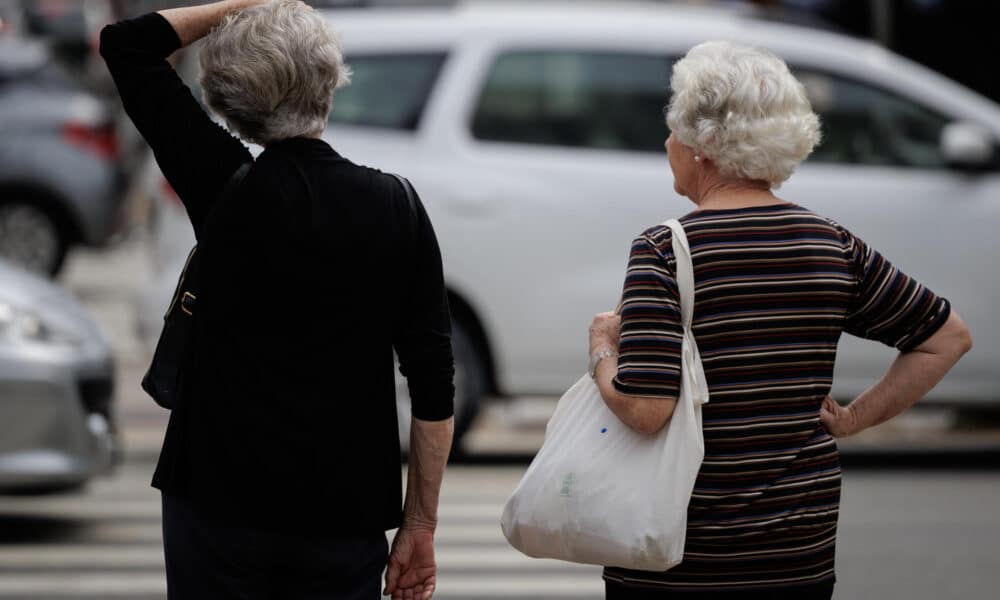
60,181
534,133
56,369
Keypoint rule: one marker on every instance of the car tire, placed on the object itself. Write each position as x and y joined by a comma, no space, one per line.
470,381
32,236
470,386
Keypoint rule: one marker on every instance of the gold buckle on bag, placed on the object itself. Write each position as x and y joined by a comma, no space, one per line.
188,299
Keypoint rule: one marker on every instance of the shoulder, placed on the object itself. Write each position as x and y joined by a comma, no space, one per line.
388,191
375,177
655,243
831,232
848,241
379,183
845,235
653,250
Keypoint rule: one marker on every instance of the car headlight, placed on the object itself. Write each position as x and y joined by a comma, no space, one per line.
23,324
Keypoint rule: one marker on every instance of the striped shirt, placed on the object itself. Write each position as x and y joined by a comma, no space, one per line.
775,286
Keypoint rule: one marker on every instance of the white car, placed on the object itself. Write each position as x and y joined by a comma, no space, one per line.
534,134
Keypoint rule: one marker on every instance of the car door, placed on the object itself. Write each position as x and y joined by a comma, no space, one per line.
561,154
881,173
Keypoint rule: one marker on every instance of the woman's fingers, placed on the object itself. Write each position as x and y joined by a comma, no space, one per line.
829,415
840,421
391,579
417,591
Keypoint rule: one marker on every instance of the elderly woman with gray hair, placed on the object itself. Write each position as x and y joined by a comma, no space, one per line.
776,285
280,469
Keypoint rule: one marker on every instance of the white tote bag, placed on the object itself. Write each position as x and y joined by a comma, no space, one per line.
600,493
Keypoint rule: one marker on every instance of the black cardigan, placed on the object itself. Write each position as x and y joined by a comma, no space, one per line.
313,273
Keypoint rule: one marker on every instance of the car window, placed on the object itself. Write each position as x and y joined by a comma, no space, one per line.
387,90
575,99
865,124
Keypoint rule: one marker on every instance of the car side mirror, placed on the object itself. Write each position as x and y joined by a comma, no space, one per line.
967,145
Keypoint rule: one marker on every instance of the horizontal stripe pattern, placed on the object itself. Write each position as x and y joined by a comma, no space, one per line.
775,287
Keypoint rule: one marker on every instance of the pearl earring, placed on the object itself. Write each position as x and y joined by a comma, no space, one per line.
697,158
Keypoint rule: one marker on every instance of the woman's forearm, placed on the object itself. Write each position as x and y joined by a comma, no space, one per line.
430,444
912,375
646,415
195,22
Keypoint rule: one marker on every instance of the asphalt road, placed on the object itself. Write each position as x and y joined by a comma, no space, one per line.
915,533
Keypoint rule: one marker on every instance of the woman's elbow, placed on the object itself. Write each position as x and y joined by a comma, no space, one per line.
965,340
961,336
648,427
653,416
110,41
951,341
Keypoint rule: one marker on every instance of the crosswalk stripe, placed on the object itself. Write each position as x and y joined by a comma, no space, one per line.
74,585
132,585
112,533
150,509
527,586
87,556
112,545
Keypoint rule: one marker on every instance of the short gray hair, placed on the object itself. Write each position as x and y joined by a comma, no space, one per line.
741,107
270,71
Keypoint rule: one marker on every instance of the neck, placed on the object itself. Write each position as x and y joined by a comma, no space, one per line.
308,136
735,194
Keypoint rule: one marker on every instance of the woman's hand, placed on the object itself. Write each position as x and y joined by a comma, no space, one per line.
605,332
195,22
840,421
411,572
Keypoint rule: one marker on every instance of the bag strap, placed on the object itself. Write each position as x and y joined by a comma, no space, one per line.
234,182
685,271
412,200
228,188
237,178
691,358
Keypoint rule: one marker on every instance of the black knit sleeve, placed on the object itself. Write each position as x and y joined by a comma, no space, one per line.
423,337
196,155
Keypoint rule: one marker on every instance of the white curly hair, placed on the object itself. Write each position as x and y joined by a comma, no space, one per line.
270,71
741,107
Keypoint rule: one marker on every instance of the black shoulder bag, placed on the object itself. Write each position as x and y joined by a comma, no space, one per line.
173,350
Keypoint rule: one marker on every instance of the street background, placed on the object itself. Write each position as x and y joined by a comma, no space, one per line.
919,516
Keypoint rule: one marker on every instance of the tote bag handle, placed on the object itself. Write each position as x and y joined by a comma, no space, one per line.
685,271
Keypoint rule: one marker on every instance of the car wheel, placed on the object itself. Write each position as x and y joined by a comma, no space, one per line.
470,385
30,237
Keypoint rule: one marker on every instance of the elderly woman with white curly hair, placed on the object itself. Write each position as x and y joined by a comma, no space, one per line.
775,286
280,466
